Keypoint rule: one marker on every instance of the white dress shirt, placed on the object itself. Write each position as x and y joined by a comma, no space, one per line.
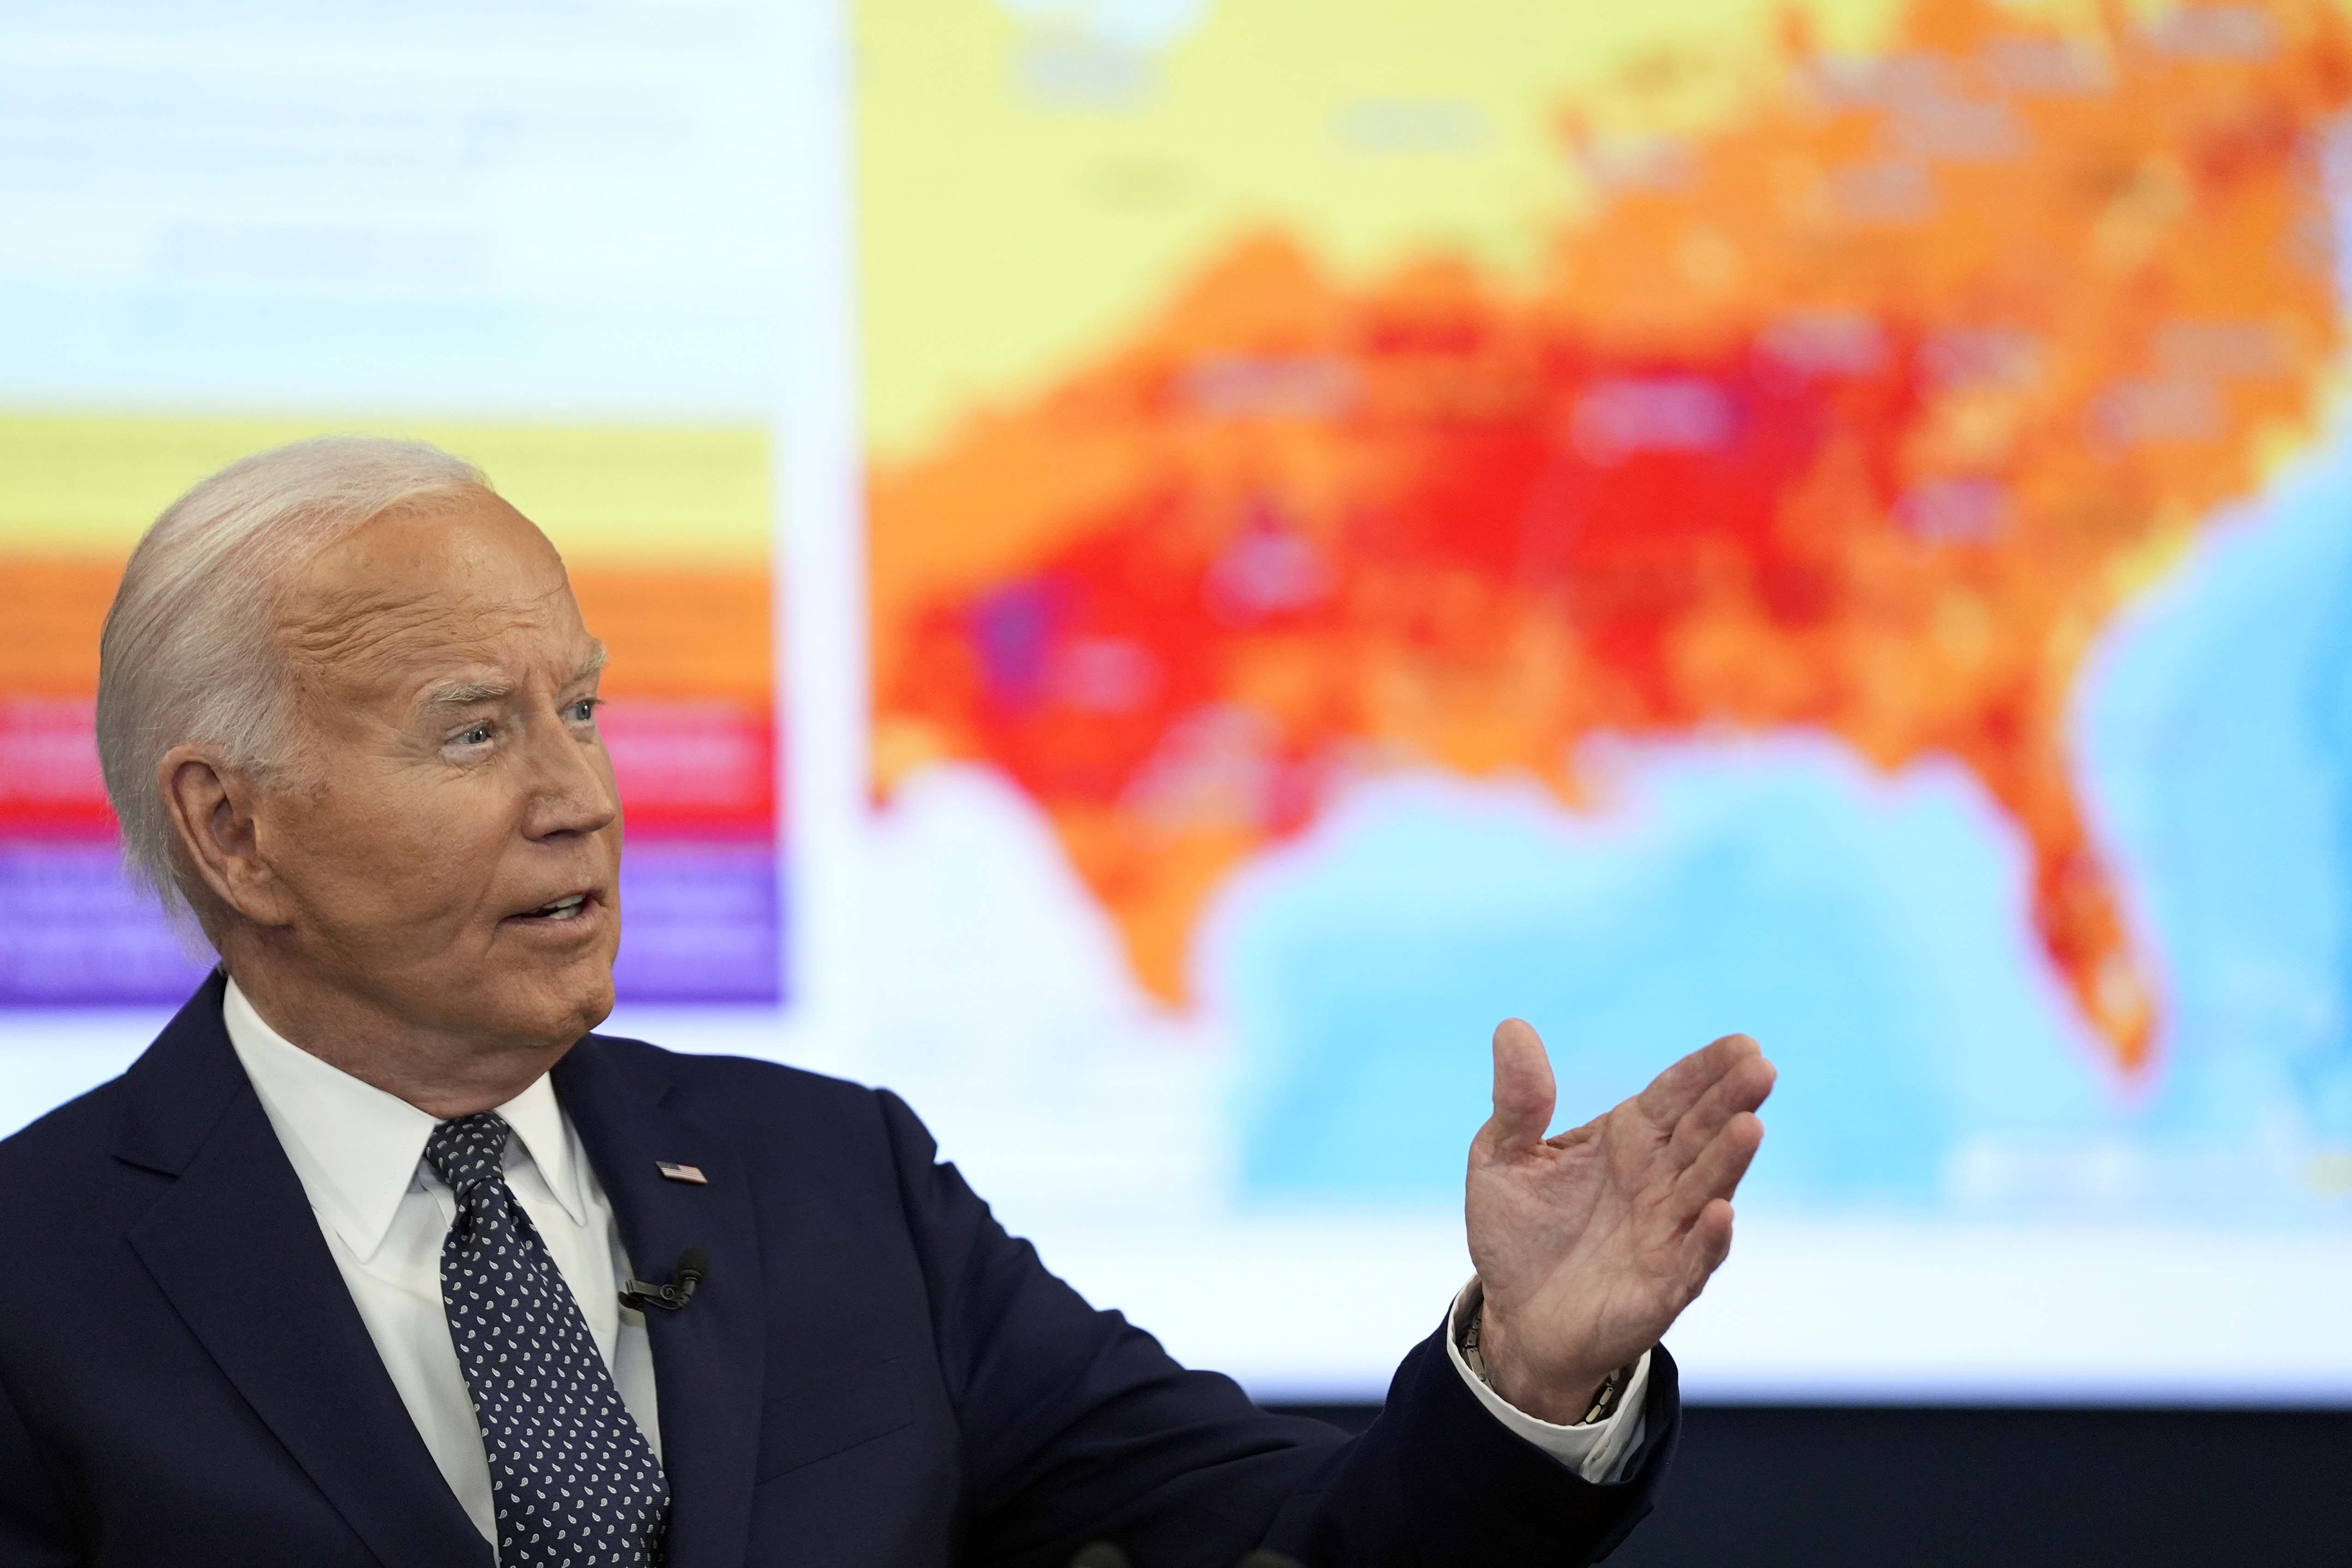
359,1153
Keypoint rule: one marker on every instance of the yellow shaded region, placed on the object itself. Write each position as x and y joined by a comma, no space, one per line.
83,484
666,533
1027,191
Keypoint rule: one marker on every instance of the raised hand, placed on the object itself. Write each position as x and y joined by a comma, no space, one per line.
1590,1244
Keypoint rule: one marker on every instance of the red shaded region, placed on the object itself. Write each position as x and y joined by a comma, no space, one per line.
693,770
50,786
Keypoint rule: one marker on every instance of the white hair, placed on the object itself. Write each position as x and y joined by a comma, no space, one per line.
188,658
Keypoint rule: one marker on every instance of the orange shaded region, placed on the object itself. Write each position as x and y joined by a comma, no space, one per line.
689,722
1864,415
690,715
672,633
53,609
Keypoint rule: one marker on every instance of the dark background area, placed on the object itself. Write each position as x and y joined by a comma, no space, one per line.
1757,1487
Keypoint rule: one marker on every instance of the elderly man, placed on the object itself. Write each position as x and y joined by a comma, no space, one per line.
379,1256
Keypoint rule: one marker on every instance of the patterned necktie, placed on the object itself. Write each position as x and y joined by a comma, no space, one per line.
571,1478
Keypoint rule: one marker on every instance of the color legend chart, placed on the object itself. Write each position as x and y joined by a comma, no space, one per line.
666,534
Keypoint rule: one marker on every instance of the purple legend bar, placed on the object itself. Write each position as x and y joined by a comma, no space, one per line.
700,922
74,930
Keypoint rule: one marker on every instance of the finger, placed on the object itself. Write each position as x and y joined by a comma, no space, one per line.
1716,1172
1744,1088
1523,1088
1677,1090
1708,1243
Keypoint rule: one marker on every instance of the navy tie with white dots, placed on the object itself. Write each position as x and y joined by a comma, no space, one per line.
573,1480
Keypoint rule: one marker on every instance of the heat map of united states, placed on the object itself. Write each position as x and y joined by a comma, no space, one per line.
1862,413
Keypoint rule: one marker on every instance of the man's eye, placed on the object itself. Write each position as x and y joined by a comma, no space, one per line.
480,735
584,710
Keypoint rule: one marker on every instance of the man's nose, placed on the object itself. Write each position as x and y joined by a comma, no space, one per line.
570,787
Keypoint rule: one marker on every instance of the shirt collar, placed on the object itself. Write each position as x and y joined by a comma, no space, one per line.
357,1148
540,1125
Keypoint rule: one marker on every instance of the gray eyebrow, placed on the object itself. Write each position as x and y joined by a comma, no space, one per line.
467,693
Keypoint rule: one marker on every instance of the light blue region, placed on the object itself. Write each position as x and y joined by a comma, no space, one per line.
1868,932
2218,745
1874,932
527,207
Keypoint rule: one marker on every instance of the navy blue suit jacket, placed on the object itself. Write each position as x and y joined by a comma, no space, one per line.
874,1373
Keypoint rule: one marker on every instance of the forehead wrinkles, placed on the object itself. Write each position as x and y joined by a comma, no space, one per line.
372,630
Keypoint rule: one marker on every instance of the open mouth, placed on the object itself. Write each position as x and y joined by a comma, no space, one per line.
568,908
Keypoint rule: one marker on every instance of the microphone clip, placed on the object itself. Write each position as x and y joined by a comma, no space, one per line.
693,1266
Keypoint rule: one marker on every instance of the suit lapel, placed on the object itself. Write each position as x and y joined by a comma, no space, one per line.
235,1247
708,1359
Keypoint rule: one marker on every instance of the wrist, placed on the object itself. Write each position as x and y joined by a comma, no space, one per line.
1565,1395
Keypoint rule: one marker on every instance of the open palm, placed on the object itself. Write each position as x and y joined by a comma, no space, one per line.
1590,1244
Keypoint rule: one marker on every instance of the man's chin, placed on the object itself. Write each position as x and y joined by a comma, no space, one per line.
595,1009
554,1010
583,1007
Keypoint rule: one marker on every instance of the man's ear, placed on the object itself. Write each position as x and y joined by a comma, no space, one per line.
212,808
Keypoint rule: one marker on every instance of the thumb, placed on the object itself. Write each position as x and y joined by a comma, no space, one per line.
1523,1087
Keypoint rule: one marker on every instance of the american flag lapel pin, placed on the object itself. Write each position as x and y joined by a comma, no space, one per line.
676,1172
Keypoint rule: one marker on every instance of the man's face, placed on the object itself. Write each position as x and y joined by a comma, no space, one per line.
447,838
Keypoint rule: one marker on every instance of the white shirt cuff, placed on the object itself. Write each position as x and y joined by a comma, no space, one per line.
1598,1452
